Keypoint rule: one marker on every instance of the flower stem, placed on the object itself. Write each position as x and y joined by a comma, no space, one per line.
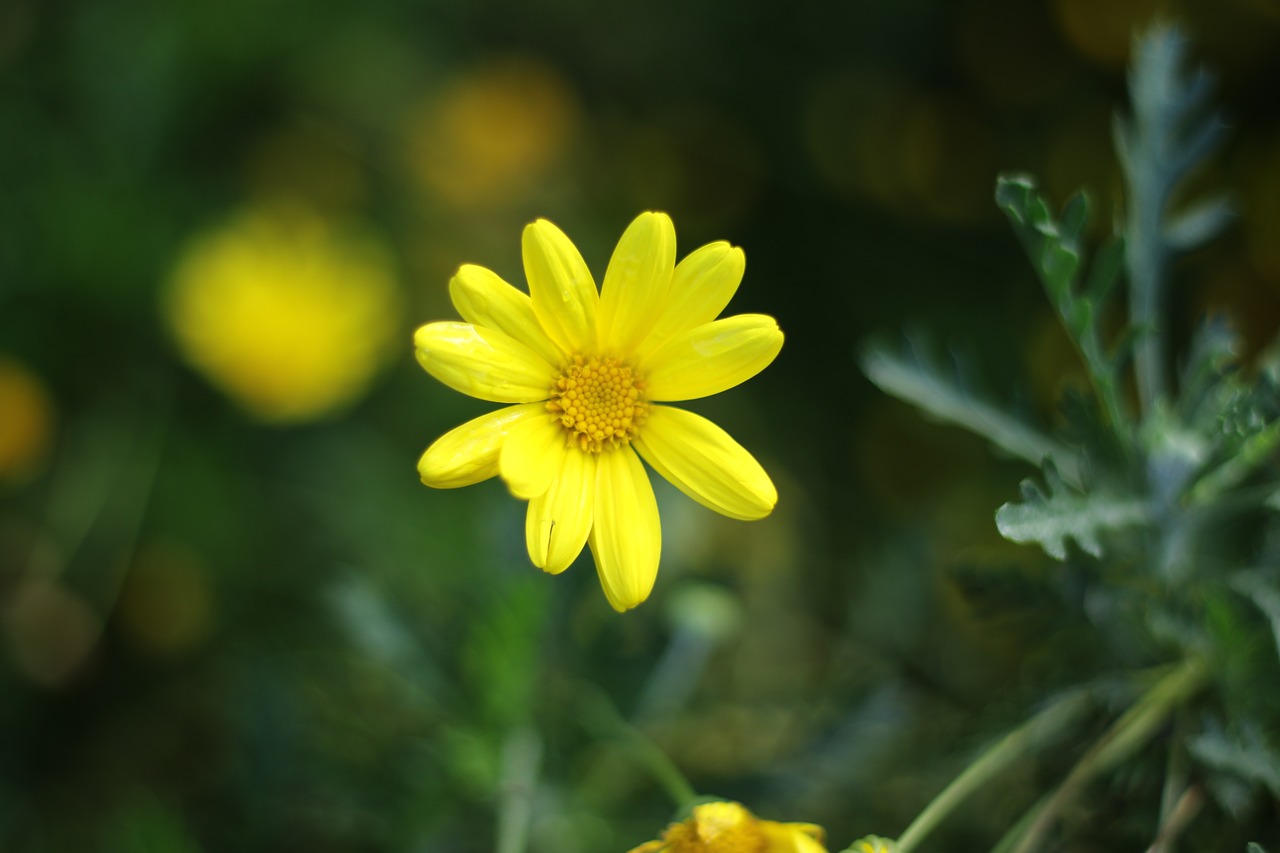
1125,737
1030,735
600,715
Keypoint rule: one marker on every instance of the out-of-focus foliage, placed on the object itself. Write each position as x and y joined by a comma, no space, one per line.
1164,485
230,627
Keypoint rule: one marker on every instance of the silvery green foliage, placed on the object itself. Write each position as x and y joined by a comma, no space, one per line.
1166,499
1064,514
914,374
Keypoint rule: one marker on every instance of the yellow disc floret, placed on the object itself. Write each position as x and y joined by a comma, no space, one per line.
599,402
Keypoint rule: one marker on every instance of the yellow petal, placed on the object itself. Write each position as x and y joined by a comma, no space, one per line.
532,455
656,846
793,837
636,282
701,460
626,537
564,294
558,522
483,363
805,844
712,357
703,283
482,297
469,454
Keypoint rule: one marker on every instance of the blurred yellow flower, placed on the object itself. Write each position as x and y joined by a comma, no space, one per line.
285,314
730,828
490,136
586,370
26,425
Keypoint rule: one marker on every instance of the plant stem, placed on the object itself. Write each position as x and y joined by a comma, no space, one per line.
521,755
1009,749
1177,820
600,715
1146,261
1176,770
1010,838
1125,737
1144,157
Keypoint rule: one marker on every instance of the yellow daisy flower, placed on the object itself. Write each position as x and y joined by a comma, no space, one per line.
730,828
587,372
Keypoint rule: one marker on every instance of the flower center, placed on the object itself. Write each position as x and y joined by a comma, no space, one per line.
717,828
598,402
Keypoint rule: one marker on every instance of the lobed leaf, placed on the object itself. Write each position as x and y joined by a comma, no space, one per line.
1054,247
1051,520
914,379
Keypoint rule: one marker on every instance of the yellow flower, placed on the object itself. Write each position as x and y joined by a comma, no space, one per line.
287,315
730,828
587,371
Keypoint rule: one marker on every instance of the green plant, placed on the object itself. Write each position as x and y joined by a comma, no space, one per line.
1157,496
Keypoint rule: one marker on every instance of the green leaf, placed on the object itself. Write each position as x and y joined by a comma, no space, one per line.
1055,249
1170,132
1242,417
1198,224
1203,396
1261,589
1175,454
1108,260
1053,519
914,378
1243,752
1075,218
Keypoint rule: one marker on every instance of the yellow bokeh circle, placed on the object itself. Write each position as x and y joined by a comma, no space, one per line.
288,314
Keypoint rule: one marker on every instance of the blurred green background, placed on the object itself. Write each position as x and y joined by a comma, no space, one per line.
230,616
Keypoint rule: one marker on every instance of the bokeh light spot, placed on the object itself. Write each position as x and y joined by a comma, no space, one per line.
166,604
489,137
1011,52
51,630
26,425
1102,30
288,314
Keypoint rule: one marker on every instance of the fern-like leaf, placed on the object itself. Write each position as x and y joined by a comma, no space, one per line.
913,377
1050,520
1055,248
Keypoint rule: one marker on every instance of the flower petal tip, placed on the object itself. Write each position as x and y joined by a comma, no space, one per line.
620,606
